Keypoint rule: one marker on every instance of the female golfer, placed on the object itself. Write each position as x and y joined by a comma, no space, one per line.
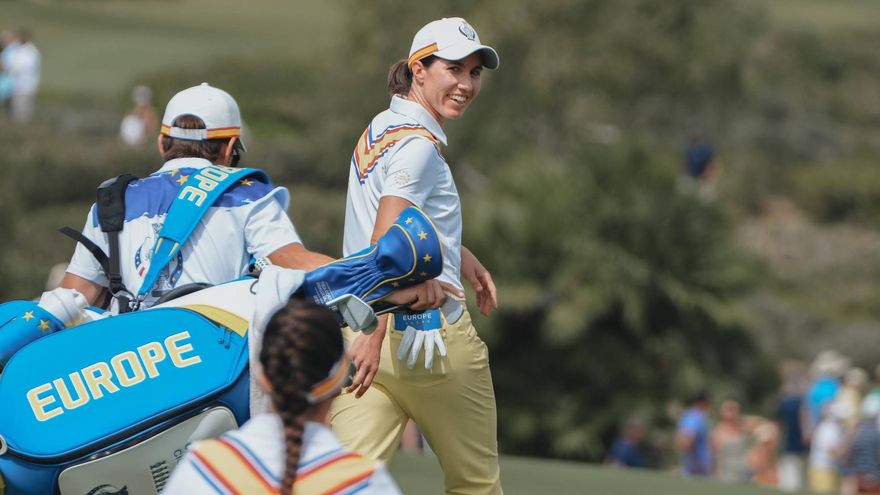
303,368
433,369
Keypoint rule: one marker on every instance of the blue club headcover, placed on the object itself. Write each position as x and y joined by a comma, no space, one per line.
409,253
22,322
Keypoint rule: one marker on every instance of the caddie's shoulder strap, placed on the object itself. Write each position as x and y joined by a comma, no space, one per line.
110,209
196,195
111,217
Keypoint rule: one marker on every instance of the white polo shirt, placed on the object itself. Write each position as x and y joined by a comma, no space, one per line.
399,155
249,219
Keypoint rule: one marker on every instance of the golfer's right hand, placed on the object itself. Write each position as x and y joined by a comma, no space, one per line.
365,352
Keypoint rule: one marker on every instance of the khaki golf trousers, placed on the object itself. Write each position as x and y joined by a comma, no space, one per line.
453,404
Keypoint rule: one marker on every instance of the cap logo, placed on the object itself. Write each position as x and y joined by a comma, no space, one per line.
467,31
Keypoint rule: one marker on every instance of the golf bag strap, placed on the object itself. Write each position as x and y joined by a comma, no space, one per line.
196,195
110,207
87,243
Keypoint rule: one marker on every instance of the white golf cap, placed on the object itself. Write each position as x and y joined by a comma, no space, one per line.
217,109
450,38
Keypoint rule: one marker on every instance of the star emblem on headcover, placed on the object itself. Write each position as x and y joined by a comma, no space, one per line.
423,235
44,325
408,220
182,180
28,316
427,258
247,182
395,284
423,274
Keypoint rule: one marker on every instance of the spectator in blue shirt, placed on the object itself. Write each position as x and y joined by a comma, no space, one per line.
692,437
791,416
699,156
626,450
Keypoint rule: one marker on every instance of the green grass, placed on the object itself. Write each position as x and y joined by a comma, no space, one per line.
96,47
826,15
520,476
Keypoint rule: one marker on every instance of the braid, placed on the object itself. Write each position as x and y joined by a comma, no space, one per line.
301,344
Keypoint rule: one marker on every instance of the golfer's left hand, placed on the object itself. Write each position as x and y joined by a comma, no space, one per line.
481,280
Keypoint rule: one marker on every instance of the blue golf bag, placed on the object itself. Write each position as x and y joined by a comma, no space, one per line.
110,406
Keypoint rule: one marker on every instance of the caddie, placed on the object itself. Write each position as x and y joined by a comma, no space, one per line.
201,127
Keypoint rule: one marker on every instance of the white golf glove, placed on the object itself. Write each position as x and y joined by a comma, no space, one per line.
65,304
414,340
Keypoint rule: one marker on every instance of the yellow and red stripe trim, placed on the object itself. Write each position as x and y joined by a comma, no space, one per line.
224,132
350,482
219,133
421,53
333,382
367,154
339,473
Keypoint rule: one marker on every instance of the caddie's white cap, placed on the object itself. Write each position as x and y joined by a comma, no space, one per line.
214,106
450,38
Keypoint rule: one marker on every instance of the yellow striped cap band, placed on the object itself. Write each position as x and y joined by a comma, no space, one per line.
421,53
200,134
330,386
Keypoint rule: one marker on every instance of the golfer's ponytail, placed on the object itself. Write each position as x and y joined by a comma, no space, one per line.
301,345
400,76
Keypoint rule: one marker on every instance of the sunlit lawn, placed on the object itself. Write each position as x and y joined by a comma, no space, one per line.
420,474
101,47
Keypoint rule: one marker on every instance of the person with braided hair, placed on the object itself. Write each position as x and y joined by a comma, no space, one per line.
289,450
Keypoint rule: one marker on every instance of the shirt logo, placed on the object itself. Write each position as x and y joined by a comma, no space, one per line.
143,256
467,31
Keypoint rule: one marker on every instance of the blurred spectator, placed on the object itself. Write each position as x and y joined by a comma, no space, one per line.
826,449
627,448
730,443
825,372
141,123
699,157
700,167
411,440
692,437
8,43
24,68
875,390
56,273
861,469
762,454
850,395
790,415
